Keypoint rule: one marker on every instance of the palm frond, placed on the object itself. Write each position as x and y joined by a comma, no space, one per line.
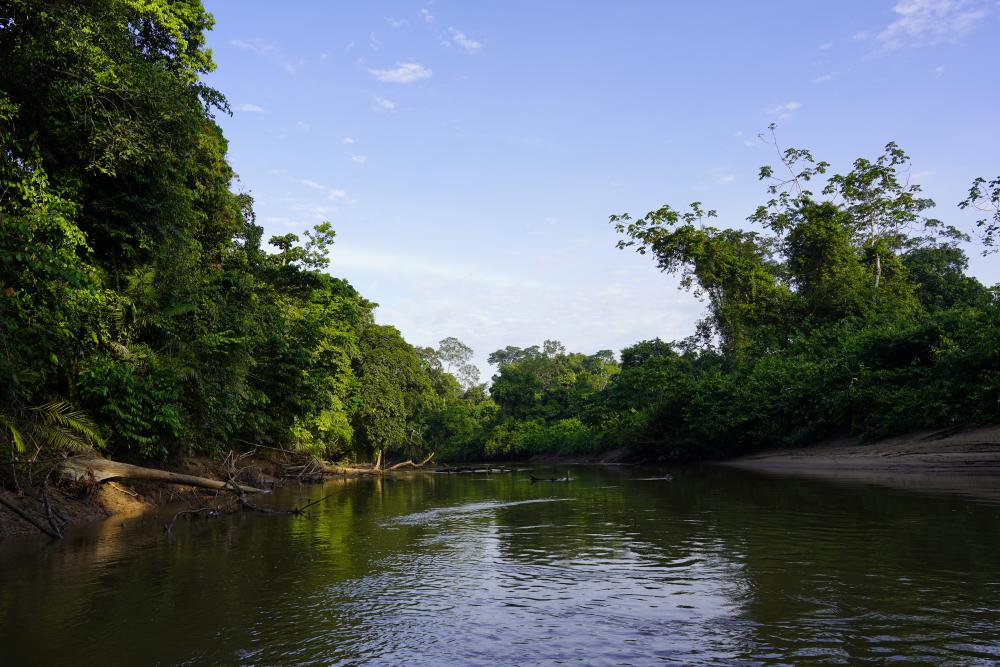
70,423
15,433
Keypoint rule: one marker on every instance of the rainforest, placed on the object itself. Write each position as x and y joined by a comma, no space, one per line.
216,449
144,314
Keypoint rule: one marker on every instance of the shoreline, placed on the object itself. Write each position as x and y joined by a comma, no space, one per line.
962,460
129,498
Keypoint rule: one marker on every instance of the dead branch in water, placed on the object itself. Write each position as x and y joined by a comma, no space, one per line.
410,463
169,527
27,517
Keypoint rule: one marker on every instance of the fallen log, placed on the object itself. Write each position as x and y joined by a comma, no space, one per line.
97,471
411,464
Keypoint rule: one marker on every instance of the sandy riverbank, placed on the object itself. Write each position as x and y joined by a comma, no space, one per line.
966,461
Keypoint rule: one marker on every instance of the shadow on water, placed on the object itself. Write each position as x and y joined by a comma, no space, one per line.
712,566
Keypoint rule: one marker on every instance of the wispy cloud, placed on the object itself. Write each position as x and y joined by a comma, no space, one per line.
333,194
931,22
268,50
826,46
823,78
408,263
249,108
458,37
373,42
725,179
426,15
382,104
785,110
259,46
348,140
360,159
396,23
402,73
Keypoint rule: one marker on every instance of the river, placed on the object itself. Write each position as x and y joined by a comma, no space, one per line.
617,566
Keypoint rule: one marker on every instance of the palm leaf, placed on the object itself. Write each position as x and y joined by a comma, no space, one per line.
15,433
62,421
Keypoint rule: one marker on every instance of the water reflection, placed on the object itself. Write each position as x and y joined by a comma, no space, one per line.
713,566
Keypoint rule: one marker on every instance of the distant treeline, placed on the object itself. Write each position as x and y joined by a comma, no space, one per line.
847,312
140,313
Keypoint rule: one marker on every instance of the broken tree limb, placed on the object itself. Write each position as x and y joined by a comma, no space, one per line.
411,464
27,517
169,527
97,471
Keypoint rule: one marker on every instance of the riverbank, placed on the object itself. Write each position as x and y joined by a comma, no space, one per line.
963,460
73,505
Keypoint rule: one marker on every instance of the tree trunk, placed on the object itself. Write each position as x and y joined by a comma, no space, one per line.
97,471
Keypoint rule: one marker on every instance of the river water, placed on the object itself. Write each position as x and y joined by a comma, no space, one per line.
615,567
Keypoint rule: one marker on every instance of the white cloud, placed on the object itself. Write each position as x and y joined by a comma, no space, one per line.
824,47
397,263
396,23
470,45
374,42
725,179
249,108
382,104
785,110
268,50
360,159
426,15
931,22
939,70
488,305
402,73
333,194
348,140
258,46
824,77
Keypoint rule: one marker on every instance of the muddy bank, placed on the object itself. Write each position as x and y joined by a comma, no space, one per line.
962,460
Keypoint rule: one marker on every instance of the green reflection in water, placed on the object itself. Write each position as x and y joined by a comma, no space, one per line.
715,566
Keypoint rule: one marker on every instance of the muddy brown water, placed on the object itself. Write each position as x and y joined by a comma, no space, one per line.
615,567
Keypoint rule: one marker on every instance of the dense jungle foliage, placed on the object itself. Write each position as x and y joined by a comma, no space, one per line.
142,313
139,310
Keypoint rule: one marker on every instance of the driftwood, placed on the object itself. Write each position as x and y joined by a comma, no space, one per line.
96,471
468,470
567,478
411,464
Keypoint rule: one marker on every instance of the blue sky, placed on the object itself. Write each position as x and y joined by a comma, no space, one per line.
469,154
